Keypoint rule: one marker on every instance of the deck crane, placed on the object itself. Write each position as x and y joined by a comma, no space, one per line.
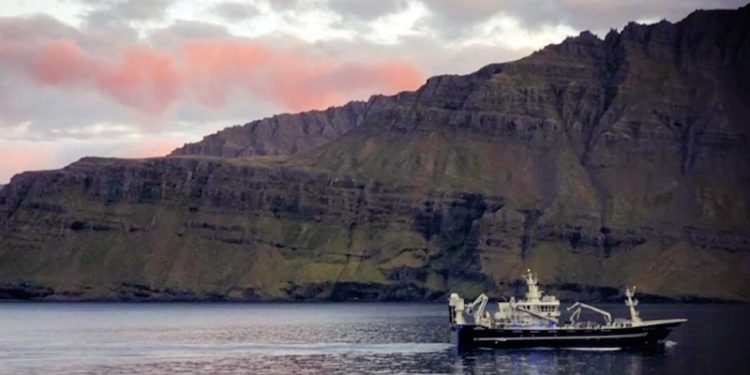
477,307
577,313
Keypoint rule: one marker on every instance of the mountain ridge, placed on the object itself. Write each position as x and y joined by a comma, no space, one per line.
585,39
596,162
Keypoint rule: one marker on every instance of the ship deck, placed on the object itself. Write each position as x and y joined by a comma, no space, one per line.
647,333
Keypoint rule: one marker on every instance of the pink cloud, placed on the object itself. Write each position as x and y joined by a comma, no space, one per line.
140,77
208,72
61,61
143,79
215,66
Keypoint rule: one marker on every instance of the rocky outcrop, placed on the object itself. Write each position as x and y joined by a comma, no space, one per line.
596,162
281,134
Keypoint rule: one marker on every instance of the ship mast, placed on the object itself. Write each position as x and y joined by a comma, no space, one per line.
533,295
635,318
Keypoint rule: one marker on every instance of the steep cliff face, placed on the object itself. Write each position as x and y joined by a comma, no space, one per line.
283,134
595,162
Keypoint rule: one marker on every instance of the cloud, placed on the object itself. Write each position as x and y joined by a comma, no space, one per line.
602,15
365,9
179,31
290,77
391,28
118,11
233,11
456,20
506,31
207,71
140,78
34,28
322,85
461,11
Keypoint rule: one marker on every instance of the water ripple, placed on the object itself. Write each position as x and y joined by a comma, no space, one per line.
325,338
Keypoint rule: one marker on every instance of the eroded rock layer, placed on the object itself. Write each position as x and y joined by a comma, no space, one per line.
597,163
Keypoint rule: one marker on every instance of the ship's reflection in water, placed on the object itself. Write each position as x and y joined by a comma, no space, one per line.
556,361
339,338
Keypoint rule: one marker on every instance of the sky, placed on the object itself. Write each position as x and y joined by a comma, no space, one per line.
138,78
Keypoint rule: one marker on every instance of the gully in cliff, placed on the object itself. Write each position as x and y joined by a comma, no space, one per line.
534,322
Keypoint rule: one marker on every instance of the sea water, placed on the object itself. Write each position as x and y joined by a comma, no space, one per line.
333,338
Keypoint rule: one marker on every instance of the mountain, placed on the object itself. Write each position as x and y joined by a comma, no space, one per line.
597,163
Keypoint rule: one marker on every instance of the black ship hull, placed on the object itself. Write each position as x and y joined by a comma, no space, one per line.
471,336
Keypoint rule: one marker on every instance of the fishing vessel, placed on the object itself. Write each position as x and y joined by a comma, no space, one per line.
535,322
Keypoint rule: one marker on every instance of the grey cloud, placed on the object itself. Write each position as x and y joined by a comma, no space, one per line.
454,18
601,16
50,109
182,30
34,28
239,109
41,28
234,11
128,10
365,9
114,17
34,112
429,54
465,11
284,4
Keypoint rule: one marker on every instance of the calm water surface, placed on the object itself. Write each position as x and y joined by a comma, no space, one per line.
345,338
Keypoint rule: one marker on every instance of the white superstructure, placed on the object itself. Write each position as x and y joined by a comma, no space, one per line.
536,310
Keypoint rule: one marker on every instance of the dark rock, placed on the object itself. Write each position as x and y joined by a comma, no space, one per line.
24,291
